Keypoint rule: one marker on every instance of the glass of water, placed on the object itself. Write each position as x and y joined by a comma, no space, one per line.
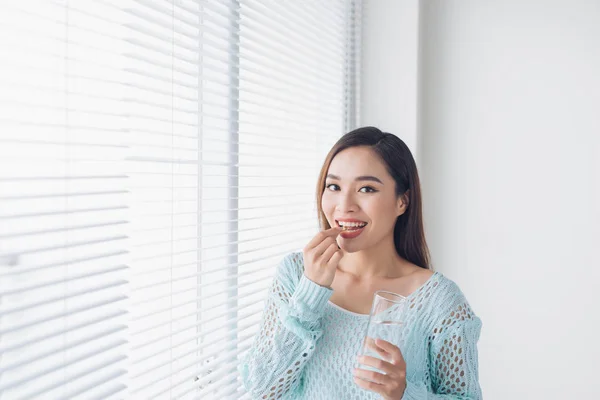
385,322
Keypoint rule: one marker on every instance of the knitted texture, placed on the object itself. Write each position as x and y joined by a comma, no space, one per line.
306,347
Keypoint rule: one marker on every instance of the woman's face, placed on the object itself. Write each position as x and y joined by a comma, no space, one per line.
360,196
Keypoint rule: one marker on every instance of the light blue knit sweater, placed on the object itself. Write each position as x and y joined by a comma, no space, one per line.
306,347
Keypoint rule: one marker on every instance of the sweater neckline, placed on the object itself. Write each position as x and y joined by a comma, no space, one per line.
419,289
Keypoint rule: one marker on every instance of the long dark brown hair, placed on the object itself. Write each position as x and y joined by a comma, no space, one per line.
409,234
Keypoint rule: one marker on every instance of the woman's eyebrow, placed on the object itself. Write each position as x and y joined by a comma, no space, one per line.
358,178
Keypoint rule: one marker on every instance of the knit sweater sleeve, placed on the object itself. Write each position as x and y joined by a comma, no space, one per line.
453,356
290,328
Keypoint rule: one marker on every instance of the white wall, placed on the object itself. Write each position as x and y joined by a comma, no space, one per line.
390,40
509,155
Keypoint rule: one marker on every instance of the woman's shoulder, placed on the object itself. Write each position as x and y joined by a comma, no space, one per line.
449,300
446,287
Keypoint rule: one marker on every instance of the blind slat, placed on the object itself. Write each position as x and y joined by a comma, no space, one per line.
87,307
94,370
69,279
57,350
194,299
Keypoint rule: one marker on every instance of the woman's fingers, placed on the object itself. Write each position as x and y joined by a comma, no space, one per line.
329,252
321,236
323,251
372,344
371,376
391,383
318,251
377,363
318,256
390,352
335,259
373,387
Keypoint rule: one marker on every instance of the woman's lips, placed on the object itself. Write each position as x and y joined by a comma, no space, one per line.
351,234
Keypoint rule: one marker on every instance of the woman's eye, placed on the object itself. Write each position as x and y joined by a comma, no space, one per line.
364,189
369,189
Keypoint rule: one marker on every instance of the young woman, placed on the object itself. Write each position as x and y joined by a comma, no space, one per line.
369,203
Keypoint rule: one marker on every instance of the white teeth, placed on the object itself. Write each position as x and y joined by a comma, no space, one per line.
352,224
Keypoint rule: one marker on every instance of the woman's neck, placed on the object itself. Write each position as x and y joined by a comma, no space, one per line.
377,262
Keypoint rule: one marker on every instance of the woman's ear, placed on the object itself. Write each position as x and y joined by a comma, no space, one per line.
402,203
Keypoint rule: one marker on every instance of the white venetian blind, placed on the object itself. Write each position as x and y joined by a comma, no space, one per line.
297,70
64,202
184,184
157,159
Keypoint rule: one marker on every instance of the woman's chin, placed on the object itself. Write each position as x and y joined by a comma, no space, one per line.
347,246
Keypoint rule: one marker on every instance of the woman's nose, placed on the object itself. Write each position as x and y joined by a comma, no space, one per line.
346,203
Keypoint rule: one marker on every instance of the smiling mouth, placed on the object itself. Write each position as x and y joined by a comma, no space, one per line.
350,227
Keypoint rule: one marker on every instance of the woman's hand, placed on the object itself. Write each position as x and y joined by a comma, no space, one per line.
390,385
321,257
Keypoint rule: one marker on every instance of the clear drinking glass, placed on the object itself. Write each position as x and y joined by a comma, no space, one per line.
385,322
